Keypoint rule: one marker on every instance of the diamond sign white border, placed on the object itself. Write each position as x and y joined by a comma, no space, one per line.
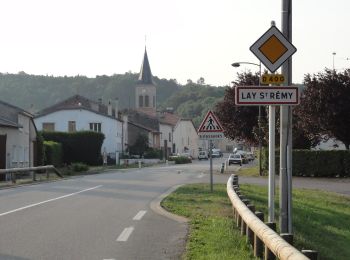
273,66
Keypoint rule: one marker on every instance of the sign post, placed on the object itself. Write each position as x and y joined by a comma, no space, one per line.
273,49
210,129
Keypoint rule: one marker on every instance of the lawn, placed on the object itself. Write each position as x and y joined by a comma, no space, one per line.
321,221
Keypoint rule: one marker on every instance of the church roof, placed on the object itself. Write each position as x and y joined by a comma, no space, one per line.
145,76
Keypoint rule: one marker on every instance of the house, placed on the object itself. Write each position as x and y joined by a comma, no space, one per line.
185,138
17,138
78,113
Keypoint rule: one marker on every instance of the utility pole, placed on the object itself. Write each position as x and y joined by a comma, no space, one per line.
285,132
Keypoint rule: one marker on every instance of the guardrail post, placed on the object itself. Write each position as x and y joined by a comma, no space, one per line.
250,234
268,253
288,237
33,175
258,244
313,255
13,177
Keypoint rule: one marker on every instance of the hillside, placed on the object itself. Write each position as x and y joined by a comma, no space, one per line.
24,90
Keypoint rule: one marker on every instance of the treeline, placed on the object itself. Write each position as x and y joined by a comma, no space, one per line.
24,90
33,92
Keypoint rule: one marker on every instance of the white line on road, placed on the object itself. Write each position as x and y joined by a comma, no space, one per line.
139,215
46,201
125,234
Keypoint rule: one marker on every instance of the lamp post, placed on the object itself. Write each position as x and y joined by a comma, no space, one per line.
236,65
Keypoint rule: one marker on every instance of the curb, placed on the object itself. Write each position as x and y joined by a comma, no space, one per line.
157,208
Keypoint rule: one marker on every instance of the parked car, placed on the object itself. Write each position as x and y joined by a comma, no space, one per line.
236,159
250,156
216,153
202,155
188,155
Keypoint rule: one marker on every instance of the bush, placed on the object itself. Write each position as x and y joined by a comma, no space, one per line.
311,163
53,153
82,146
182,160
79,167
152,153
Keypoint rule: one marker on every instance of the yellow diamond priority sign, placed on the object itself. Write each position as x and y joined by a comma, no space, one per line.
273,49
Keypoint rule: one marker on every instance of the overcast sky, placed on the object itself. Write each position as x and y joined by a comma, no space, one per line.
186,39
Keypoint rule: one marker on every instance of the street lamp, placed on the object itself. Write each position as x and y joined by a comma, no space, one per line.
236,65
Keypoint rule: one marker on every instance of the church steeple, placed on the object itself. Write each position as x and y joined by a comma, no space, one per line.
145,76
145,91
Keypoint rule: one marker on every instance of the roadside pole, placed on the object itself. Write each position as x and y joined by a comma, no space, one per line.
285,133
211,164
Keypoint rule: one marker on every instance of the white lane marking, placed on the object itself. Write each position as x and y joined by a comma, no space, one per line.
125,234
139,215
46,201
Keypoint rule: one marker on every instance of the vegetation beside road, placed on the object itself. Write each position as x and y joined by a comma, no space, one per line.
212,231
320,221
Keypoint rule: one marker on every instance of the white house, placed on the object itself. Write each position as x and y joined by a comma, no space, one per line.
81,114
17,137
185,138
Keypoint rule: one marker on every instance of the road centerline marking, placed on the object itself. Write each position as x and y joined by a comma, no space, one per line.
139,215
46,201
124,236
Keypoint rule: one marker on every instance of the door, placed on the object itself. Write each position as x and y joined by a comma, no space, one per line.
2,155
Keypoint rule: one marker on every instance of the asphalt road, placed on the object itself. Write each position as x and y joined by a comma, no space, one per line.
108,216
103,216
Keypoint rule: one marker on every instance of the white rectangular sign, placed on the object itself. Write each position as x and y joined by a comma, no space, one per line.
256,95
210,136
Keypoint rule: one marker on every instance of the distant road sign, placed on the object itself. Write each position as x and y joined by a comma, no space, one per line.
273,49
272,79
210,128
255,95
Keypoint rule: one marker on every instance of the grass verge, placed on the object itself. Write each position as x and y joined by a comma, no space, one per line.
212,232
321,221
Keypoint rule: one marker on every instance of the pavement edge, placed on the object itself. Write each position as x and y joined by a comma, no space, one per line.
157,208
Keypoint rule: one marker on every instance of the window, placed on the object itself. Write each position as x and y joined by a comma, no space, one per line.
96,127
146,101
71,126
140,101
169,137
48,126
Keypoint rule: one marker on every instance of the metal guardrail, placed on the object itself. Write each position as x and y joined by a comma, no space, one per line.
265,241
33,170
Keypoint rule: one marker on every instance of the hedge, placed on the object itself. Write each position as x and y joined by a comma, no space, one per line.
313,163
53,153
82,146
182,160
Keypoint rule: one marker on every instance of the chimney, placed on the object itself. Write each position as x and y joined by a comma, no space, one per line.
109,108
116,107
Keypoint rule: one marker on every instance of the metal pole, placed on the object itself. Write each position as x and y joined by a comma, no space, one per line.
211,164
284,121
259,126
271,202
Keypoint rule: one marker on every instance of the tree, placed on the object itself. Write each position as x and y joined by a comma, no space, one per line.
140,145
325,105
201,81
239,122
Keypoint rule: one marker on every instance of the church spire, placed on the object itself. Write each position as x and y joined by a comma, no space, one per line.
145,76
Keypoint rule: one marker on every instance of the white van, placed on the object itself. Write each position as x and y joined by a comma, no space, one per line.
202,155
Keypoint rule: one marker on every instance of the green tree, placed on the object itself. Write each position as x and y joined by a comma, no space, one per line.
325,105
140,145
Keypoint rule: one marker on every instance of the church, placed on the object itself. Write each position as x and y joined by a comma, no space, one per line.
165,130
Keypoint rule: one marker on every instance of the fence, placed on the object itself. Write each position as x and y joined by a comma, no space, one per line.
13,172
263,238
